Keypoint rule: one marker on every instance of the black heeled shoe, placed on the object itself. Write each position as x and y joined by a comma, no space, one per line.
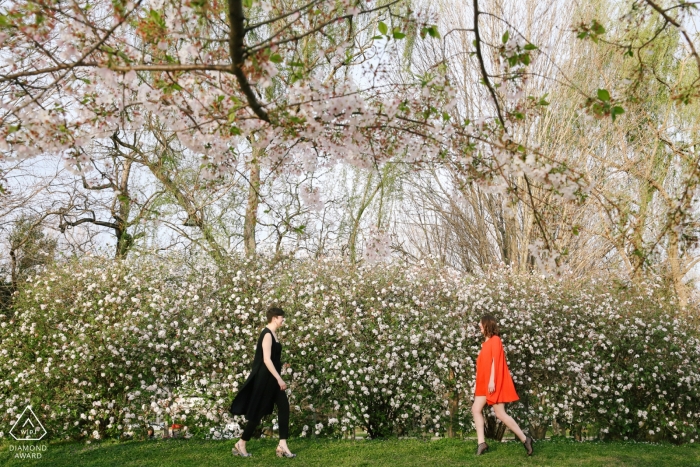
527,444
482,448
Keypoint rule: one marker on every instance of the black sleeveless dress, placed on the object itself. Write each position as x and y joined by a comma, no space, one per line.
256,398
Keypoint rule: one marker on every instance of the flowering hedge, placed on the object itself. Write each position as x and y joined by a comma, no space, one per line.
99,348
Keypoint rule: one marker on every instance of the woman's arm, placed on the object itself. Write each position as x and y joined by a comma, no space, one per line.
492,383
267,352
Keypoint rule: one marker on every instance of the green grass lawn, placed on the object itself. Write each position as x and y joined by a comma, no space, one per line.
329,453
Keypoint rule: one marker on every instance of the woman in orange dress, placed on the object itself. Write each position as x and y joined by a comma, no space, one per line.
494,385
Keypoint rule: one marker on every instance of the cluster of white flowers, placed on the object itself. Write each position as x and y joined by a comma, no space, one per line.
101,347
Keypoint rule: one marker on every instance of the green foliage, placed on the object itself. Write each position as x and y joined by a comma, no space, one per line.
431,31
594,30
603,105
31,247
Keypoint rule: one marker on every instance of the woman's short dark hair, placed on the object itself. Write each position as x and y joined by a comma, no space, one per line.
490,325
274,311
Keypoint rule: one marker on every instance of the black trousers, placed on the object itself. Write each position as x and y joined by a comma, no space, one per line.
282,404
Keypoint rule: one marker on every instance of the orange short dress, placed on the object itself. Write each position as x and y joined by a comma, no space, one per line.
492,351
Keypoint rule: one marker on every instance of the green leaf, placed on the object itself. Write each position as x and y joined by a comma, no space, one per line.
603,95
433,32
505,37
383,28
615,111
530,47
276,58
123,56
247,3
377,38
423,33
398,35
157,18
597,28
575,229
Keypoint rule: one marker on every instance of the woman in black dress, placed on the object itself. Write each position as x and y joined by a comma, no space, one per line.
264,388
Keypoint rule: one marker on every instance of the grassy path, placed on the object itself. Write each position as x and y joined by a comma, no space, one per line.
328,453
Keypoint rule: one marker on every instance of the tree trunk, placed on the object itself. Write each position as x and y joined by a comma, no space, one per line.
453,407
538,431
367,198
14,279
124,240
493,428
195,216
675,268
251,212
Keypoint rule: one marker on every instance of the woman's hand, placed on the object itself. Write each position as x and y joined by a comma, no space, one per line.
282,384
492,387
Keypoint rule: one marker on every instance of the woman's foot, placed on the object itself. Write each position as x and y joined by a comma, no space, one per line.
284,452
528,445
239,450
481,448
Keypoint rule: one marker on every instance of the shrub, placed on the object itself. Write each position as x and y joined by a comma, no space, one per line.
99,348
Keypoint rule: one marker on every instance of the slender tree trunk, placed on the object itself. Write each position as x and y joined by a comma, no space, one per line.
251,212
676,272
453,407
124,240
14,280
367,198
195,216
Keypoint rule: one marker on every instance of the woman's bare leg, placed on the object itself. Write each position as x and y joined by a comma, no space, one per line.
477,408
508,421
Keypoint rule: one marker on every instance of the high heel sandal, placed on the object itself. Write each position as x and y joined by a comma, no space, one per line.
527,444
237,452
481,448
282,453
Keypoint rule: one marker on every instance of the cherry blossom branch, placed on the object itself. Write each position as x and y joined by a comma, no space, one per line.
86,54
482,65
120,68
237,48
320,27
669,19
282,16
